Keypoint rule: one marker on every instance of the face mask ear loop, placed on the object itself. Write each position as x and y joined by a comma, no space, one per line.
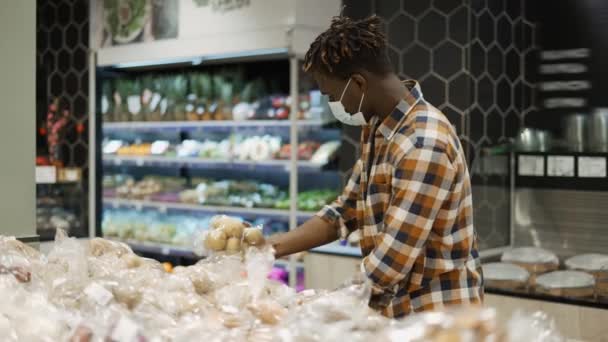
361,103
344,91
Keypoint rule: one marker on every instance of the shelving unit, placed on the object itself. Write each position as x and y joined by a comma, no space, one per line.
181,125
284,165
163,207
286,42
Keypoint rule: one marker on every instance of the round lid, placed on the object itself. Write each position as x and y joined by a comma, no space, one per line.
529,255
565,279
505,271
588,262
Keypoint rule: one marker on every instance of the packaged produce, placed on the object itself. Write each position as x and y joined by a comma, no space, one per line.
506,276
99,290
230,235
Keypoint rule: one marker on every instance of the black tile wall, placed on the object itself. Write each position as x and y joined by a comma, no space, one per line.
62,63
62,42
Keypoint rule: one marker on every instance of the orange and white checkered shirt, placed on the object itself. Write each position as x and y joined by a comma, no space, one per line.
413,207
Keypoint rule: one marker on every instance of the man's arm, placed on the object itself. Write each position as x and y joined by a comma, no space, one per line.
313,233
332,222
421,182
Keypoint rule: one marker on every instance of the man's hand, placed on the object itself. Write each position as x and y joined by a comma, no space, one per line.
313,233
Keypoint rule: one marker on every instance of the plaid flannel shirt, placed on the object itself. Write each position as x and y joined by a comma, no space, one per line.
413,208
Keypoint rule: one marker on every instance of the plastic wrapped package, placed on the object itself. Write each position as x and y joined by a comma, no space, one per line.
99,247
595,264
28,316
258,262
535,260
506,276
340,314
11,244
535,327
574,284
228,235
201,281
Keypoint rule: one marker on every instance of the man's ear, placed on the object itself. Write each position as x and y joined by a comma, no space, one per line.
360,81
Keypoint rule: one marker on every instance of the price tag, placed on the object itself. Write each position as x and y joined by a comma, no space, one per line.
165,250
115,204
531,166
139,161
162,209
71,175
125,330
138,206
591,167
117,161
46,175
560,166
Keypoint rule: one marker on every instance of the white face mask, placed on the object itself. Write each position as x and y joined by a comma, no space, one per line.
337,108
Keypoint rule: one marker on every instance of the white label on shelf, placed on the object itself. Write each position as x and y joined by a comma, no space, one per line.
115,204
591,167
165,250
138,206
125,330
531,165
98,293
71,175
46,174
560,166
162,209
117,161
139,161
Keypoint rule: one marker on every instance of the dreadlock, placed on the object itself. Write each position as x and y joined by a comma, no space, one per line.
349,46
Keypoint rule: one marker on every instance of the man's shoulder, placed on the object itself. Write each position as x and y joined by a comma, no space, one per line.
425,127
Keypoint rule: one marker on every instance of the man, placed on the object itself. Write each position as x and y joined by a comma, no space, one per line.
409,195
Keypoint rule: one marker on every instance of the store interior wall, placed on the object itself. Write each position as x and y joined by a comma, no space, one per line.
17,141
564,220
468,56
62,32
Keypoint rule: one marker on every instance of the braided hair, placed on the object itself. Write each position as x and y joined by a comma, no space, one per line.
349,46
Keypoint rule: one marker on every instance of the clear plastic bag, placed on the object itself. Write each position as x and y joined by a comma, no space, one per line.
536,327
228,235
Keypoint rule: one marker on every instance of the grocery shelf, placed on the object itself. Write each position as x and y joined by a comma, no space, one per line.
148,125
164,206
338,249
158,248
285,263
202,162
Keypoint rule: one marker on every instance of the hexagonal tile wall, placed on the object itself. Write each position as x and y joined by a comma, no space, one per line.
62,42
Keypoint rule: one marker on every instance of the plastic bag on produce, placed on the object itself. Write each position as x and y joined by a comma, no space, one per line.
71,257
228,235
536,327
28,316
198,275
281,293
258,263
459,324
11,245
99,247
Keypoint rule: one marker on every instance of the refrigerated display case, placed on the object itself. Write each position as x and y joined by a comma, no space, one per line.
190,128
